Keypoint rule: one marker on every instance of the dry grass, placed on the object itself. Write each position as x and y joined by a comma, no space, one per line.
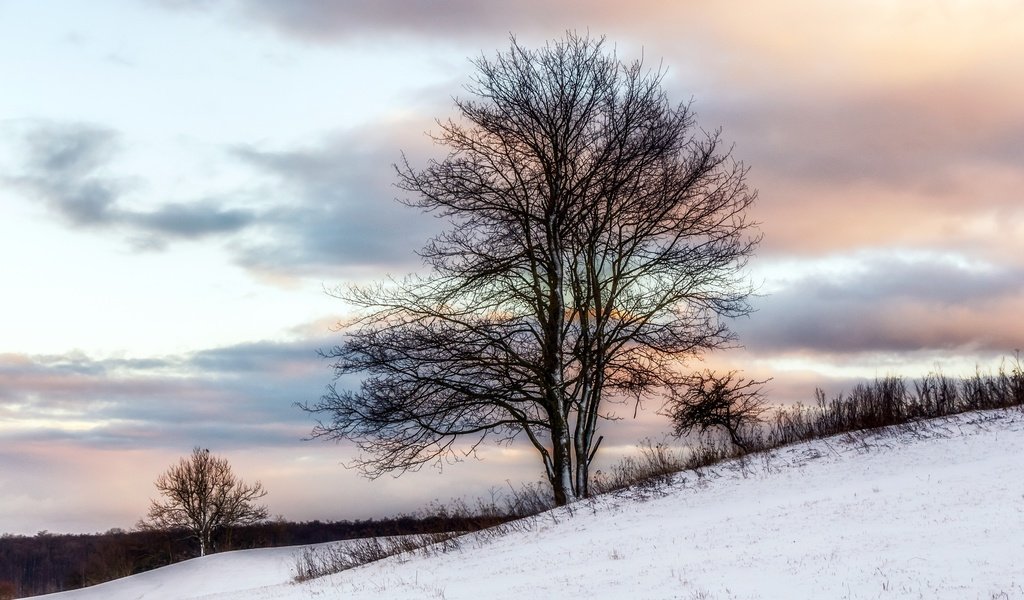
886,402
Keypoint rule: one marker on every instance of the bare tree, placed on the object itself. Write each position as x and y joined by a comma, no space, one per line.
597,240
201,496
711,401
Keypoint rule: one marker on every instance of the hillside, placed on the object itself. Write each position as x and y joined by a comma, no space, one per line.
937,512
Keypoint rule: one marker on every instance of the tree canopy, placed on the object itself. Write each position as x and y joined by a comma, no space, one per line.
597,240
201,494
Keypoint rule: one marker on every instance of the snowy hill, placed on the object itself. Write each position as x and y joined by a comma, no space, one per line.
935,513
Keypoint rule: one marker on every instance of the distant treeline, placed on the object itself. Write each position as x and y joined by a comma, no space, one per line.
47,562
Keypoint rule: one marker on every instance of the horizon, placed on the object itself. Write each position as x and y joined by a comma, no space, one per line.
180,181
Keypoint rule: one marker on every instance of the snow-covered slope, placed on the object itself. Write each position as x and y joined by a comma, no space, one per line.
197,578
937,513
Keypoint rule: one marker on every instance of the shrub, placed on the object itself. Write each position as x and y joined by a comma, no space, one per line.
712,401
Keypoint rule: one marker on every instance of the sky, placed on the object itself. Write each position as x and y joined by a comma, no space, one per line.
183,181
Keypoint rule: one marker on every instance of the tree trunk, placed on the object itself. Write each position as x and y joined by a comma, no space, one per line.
561,482
204,540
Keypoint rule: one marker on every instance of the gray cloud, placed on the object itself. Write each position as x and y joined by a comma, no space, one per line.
243,360
73,150
239,396
892,305
190,220
336,210
319,20
66,165
331,208
62,165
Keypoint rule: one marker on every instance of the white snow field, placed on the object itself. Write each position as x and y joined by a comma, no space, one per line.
933,513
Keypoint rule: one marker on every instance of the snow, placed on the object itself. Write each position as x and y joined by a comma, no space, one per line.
933,513
197,578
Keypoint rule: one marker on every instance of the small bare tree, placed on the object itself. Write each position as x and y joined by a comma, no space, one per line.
728,401
201,496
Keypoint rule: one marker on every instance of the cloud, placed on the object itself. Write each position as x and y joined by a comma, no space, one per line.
336,209
866,124
68,167
842,42
325,21
238,396
892,304
906,138
188,221
71,422
327,207
62,164
928,166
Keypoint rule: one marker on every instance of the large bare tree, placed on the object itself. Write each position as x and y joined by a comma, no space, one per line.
201,495
597,240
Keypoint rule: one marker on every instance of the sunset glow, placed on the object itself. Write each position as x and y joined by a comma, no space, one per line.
180,181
